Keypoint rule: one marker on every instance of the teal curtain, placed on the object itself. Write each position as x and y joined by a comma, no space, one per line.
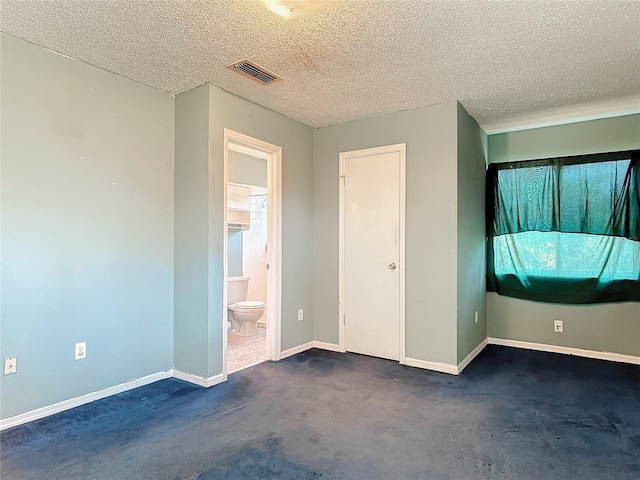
565,230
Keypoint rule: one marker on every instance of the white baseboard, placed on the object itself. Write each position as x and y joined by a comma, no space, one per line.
216,379
414,362
474,353
435,366
81,400
579,352
202,381
332,347
295,350
327,346
309,345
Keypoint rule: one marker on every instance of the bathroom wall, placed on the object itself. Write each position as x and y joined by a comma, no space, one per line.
254,254
234,252
247,170
605,327
87,227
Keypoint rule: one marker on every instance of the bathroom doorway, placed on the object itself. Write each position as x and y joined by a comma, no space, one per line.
251,251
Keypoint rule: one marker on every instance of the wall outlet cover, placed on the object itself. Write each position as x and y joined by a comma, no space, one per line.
558,326
81,350
10,366
300,315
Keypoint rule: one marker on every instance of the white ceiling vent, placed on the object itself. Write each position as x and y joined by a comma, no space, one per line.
255,72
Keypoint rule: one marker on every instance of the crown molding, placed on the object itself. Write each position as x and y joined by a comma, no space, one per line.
564,115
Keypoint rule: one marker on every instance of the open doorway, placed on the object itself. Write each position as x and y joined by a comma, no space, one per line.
252,252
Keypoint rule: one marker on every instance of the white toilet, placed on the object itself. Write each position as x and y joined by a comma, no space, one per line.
244,314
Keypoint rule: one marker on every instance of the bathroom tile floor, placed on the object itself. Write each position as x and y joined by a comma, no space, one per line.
245,351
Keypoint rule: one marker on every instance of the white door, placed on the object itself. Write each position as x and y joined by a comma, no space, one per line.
372,254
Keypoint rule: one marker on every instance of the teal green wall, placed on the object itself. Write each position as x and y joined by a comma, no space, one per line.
471,261
431,205
608,328
87,227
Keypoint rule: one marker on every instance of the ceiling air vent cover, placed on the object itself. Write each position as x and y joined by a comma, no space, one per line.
255,72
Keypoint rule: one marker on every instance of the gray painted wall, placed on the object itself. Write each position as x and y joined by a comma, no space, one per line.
613,327
191,288
247,170
607,327
87,227
240,115
472,259
201,117
431,205
580,138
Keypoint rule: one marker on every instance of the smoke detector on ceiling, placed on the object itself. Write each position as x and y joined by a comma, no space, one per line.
294,8
254,72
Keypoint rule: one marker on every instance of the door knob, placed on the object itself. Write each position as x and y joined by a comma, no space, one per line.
392,266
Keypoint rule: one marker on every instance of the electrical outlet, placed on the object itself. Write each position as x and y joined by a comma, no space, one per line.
476,316
10,366
558,326
300,315
81,350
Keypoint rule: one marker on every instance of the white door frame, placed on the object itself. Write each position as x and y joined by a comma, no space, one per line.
241,143
344,156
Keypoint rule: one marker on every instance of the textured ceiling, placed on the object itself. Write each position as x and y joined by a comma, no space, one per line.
358,58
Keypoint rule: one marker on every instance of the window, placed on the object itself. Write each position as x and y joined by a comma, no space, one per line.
565,230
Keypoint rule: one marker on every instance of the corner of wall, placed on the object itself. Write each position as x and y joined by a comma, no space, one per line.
471,252
95,165
613,327
191,258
